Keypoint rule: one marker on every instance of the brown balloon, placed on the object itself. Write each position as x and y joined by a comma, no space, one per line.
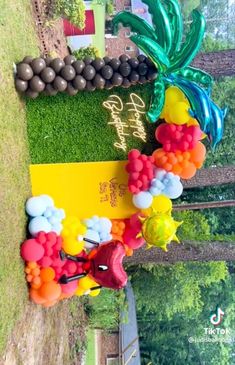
149,63
90,86
152,74
126,83
107,72
133,62
78,66
27,59
88,60
38,64
21,85
89,72
143,80
79,82
99,81
31,94
36,84
124,58
68,60
48,60
108,85
116,79
133,77
50,91
141,58
71,91
68,72
125,69
59,83
48,74
142,69
106,59
98,63
24,71
57,64
115,63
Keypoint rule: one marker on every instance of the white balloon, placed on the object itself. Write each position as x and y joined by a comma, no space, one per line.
142,200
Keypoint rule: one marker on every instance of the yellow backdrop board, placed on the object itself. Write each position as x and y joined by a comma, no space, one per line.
85,189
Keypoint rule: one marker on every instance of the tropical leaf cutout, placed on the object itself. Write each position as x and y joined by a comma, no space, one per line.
196,75
135,23
192,44
158,100
153,50
176,22
161,23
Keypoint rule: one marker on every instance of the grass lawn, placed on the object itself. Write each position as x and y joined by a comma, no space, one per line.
17,39
72,129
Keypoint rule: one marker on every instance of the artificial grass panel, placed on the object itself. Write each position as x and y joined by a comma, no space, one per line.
73,129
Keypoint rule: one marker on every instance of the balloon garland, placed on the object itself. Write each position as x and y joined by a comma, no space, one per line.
68,256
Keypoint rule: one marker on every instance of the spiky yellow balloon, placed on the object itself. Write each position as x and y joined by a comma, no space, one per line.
159,229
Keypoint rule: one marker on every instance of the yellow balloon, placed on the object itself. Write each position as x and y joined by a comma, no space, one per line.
161,204
87,283
72,226
173,94
79,292
94,293
179,113
71,246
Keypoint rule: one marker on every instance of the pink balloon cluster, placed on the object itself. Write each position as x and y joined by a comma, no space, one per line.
178,137
133,227
141,171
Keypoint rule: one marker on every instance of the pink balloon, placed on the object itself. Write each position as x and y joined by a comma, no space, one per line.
31,250
69,288
129,238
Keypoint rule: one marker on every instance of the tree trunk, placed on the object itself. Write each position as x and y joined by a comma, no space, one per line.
220,63
187,251
205,205
211,176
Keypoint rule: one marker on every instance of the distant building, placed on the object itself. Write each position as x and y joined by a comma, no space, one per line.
117,45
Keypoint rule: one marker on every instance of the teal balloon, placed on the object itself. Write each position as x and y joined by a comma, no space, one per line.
176,22
135,23
192,44
198,98
161,23
216,127
196,75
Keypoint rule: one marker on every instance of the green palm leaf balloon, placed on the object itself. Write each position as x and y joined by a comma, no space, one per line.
176,22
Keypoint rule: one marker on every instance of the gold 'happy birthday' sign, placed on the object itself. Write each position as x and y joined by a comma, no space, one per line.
133,125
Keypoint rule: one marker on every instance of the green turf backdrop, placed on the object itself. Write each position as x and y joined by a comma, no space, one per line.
73,129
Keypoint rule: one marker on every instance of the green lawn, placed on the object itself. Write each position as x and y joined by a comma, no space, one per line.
73,129
17,38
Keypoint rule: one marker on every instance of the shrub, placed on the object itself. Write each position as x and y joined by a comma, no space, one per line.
73,10
90,51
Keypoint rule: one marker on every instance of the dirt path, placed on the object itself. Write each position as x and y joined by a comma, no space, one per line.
46,337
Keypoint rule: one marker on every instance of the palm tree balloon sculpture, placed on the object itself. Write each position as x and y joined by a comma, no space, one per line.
162,43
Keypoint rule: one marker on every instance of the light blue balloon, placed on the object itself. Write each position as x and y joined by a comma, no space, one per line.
155,191
96,227
105,224
35,206
142,200
173,190
160,174
57,228
38,224
92,235
53,220
49,202
48,213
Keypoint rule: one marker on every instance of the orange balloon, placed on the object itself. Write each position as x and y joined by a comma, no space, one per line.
27,270
36,271
189,171
32,264
47,274
177,169
37,280
29,278
35,297
198,153
50,290
50,304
